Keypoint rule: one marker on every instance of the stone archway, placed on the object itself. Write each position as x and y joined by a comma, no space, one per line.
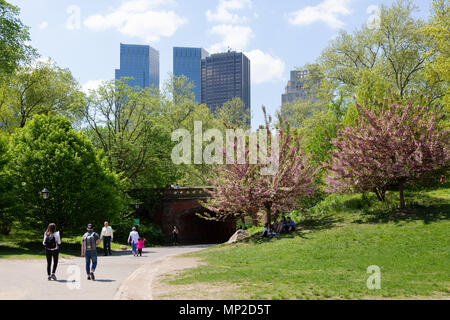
194,229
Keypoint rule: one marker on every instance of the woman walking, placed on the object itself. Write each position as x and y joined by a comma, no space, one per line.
51,242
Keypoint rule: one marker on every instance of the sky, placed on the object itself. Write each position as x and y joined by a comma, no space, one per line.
277,36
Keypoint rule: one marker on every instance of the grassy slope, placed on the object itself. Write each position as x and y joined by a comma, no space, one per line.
329,256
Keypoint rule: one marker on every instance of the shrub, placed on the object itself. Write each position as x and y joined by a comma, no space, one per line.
49,153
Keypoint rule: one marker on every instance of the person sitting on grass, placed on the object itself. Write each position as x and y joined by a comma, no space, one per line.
274,226
266,232
290,225
283,225
278,226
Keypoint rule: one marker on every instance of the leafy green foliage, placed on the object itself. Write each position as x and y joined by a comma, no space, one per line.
48,153
41,89
126,123
14,36
7,190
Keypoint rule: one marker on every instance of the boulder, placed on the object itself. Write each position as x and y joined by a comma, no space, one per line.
239,235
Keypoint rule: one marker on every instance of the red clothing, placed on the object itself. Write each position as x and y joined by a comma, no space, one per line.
140,244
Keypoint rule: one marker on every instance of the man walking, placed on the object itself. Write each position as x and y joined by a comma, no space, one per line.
89,243
107,236
133,239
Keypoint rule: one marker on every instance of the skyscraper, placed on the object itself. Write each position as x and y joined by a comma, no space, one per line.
140,62
294,88
224,77
188,62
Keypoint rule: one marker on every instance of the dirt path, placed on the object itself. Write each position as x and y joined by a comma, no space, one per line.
150,282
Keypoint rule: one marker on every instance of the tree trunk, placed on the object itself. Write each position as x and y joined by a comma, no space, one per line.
402,198
269,213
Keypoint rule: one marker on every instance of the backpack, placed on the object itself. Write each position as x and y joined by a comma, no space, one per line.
91,241
50,241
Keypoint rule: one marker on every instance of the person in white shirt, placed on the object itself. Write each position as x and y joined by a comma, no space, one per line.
133,239
107,236
51,242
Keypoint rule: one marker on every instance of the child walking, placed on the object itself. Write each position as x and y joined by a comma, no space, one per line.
141,245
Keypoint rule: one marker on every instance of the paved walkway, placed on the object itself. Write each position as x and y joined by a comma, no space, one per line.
27,279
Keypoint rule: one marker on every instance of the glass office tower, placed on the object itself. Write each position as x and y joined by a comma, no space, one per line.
224,77
140,62
188,62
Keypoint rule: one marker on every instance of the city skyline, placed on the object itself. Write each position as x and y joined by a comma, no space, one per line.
141,63
187,61
225,76
276,36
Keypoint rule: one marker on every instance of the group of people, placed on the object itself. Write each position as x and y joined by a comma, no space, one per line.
283,226
137,243
89,242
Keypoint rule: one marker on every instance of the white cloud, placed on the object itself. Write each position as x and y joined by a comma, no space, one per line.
91,85
223,14
234,37
43,25
264,67
146,19
328,11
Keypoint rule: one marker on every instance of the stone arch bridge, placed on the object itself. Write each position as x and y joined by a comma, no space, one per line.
179,207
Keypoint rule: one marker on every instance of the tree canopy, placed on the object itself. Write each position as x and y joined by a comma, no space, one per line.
49,153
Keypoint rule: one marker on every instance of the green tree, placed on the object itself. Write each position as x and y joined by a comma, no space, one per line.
41,89
130,126
49,153
317,134
8,202
437,33
233,114
177,101
386,60
14,36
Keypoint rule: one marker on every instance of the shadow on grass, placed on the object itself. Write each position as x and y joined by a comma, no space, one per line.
319,222
309,224
36,249
258,239
425,213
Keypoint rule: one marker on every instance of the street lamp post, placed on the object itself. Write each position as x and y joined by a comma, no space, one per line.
136,207
45,194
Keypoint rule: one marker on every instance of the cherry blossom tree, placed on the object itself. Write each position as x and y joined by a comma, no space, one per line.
389,149
241,190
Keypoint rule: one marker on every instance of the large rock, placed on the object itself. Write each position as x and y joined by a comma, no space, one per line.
239,235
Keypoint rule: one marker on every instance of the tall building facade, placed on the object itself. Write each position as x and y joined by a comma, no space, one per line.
294,89
140,62
188,62
224,77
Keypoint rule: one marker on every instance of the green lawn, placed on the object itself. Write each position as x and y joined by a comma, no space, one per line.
26,245
328,258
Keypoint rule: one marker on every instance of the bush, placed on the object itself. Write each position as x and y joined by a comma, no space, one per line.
49,153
